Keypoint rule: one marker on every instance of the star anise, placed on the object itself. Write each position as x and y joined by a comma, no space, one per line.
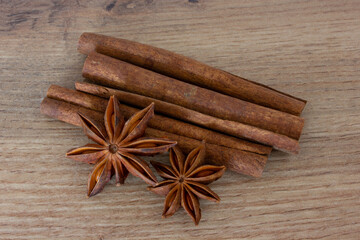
185,181
116,146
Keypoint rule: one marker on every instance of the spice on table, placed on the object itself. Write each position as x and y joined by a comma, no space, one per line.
235,160
116,147
185,182
189,70
105,70
233,128
160,122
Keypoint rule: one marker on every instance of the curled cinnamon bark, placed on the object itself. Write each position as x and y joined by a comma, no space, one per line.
158,121
247,163
189,70
236,129
108,71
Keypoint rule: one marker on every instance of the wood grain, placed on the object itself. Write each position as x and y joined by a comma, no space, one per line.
309,49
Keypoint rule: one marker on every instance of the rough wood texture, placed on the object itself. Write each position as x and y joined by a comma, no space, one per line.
309,49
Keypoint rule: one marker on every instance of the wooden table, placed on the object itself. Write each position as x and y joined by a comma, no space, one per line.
310,49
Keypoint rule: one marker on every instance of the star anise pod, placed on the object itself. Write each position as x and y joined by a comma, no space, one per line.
116,147
185,182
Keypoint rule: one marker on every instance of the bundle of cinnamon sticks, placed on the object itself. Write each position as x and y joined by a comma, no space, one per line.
240,120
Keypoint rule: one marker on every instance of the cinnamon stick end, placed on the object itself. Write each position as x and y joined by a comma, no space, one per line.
87,43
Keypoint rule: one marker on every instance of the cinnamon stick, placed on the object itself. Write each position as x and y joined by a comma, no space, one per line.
233,128
235,160
116,73
189,70
158,122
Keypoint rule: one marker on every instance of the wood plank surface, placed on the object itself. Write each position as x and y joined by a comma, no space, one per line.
310,49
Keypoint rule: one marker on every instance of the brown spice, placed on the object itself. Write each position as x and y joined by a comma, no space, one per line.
189,70
185,181
117,145
235,160
236,129
158,121
111,72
